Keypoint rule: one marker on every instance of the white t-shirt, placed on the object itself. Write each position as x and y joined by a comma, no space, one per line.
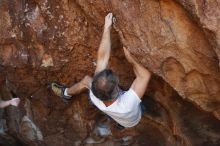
125,110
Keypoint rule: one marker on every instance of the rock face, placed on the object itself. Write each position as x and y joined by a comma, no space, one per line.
207,16
179,41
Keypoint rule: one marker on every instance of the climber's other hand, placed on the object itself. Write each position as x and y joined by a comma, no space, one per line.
15,101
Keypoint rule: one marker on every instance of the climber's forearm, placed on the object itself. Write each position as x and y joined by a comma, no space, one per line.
141,81
140,71
104,51
4,104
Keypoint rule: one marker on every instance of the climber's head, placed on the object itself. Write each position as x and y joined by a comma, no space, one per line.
105,85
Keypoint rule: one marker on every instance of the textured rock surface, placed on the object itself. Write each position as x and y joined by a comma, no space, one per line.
207,15
179,41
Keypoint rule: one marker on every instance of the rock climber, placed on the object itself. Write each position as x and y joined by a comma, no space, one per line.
122,106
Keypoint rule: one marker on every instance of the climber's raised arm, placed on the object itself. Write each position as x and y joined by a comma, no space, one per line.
105,45
142,79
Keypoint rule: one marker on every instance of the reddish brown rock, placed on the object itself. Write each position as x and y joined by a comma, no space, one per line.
207,15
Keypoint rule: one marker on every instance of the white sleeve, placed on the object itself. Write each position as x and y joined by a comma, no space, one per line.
131,98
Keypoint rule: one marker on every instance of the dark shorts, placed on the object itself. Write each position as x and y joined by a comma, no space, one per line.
142,108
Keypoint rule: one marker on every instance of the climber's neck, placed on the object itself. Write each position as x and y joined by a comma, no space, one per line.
108,103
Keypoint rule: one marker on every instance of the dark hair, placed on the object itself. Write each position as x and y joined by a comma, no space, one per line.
104,85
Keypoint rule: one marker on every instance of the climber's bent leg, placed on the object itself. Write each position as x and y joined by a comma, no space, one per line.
67,93
77,88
